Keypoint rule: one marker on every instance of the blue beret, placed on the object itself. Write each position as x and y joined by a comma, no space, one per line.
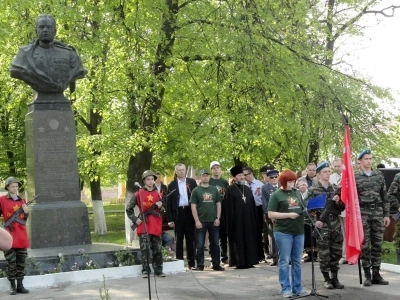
322,166
272,172
365,151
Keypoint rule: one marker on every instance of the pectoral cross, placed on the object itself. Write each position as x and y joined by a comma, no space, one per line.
244,198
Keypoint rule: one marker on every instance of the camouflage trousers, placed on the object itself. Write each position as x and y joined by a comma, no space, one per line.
16,261
155,253
330,247
397,236
371,249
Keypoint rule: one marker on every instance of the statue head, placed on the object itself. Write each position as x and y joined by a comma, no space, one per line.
45,28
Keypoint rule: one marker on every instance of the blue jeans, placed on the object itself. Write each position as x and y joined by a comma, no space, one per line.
290,247
213,235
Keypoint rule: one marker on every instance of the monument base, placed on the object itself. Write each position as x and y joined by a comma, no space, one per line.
63,223
58,218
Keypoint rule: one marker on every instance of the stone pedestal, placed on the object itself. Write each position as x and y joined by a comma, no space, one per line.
58,217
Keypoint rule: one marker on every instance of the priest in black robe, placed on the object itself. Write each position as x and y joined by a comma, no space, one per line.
240,219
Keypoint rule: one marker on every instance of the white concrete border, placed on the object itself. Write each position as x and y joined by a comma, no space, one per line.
390,268
66,278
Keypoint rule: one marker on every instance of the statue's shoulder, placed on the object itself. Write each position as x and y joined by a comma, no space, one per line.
62,45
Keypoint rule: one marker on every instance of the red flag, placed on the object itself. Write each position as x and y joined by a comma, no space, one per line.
354,227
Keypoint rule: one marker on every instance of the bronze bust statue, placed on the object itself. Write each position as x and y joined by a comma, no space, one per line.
47,65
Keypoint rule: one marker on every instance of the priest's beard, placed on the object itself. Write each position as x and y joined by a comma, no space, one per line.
243,182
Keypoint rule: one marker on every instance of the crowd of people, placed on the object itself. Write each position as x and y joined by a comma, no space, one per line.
276,219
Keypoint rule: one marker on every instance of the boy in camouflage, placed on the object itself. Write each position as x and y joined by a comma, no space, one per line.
375,210
328,224
16,256
144,199
393,196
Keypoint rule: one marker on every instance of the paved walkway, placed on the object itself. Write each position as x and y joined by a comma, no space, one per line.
260,282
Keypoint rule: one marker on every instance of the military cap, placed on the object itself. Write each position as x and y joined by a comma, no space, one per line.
272,173
321,166
204,171
362,153
266,168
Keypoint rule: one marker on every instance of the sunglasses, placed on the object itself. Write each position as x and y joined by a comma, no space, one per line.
272,177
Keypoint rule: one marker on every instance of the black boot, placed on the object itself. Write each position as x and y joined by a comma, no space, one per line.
20,287
13,288
377,278
335,281
327,281
367,272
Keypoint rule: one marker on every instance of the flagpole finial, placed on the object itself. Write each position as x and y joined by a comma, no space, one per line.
345,119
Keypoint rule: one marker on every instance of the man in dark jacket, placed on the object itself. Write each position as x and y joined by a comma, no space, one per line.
179,213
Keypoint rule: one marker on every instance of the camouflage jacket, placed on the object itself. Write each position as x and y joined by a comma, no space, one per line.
331,191
394,192
372,189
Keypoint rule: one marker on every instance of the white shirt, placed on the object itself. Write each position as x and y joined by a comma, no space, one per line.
335,178
255,187
183,196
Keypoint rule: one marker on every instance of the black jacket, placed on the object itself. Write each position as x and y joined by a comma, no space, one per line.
173,200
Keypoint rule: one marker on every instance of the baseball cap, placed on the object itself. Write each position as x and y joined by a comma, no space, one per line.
213,163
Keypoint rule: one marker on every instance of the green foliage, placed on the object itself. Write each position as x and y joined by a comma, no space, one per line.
124,258
104,295
191,81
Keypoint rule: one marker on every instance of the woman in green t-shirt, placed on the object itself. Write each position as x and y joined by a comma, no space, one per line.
285,209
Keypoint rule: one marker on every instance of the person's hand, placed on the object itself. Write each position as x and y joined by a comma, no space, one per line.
171,224
319,224
336,198
159,204
293,216
25,208
386,221
199,225
216,222
399,209
138,222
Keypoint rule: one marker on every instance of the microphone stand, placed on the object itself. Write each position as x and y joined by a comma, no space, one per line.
148,248
313,291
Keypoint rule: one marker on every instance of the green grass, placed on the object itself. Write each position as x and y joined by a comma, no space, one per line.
115,228
109,207
389,253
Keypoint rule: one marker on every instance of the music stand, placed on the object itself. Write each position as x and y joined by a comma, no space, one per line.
313,291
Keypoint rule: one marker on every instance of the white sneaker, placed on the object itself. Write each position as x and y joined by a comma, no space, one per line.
342,261
287,295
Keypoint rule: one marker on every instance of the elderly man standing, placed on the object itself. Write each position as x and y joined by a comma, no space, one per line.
311,177
241,222
179,213
375,210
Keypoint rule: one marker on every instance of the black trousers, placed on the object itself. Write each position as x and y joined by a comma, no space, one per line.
184,229
273,249
260,219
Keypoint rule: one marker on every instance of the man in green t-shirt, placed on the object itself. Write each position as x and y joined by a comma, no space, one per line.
206,209
221,184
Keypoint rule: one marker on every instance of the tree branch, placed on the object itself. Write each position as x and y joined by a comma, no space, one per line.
382,11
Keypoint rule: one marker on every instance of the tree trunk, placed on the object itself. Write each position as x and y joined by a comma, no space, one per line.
100,225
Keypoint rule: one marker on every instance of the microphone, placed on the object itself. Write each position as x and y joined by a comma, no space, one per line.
138,185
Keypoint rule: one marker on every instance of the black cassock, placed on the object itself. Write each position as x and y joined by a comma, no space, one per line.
239,217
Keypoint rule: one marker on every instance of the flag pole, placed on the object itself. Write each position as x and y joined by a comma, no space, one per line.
359,271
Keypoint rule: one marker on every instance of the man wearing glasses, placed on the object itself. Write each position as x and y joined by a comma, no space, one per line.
266,191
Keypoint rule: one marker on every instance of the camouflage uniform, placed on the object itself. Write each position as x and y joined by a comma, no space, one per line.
393,196
330,247
156,248
374,206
